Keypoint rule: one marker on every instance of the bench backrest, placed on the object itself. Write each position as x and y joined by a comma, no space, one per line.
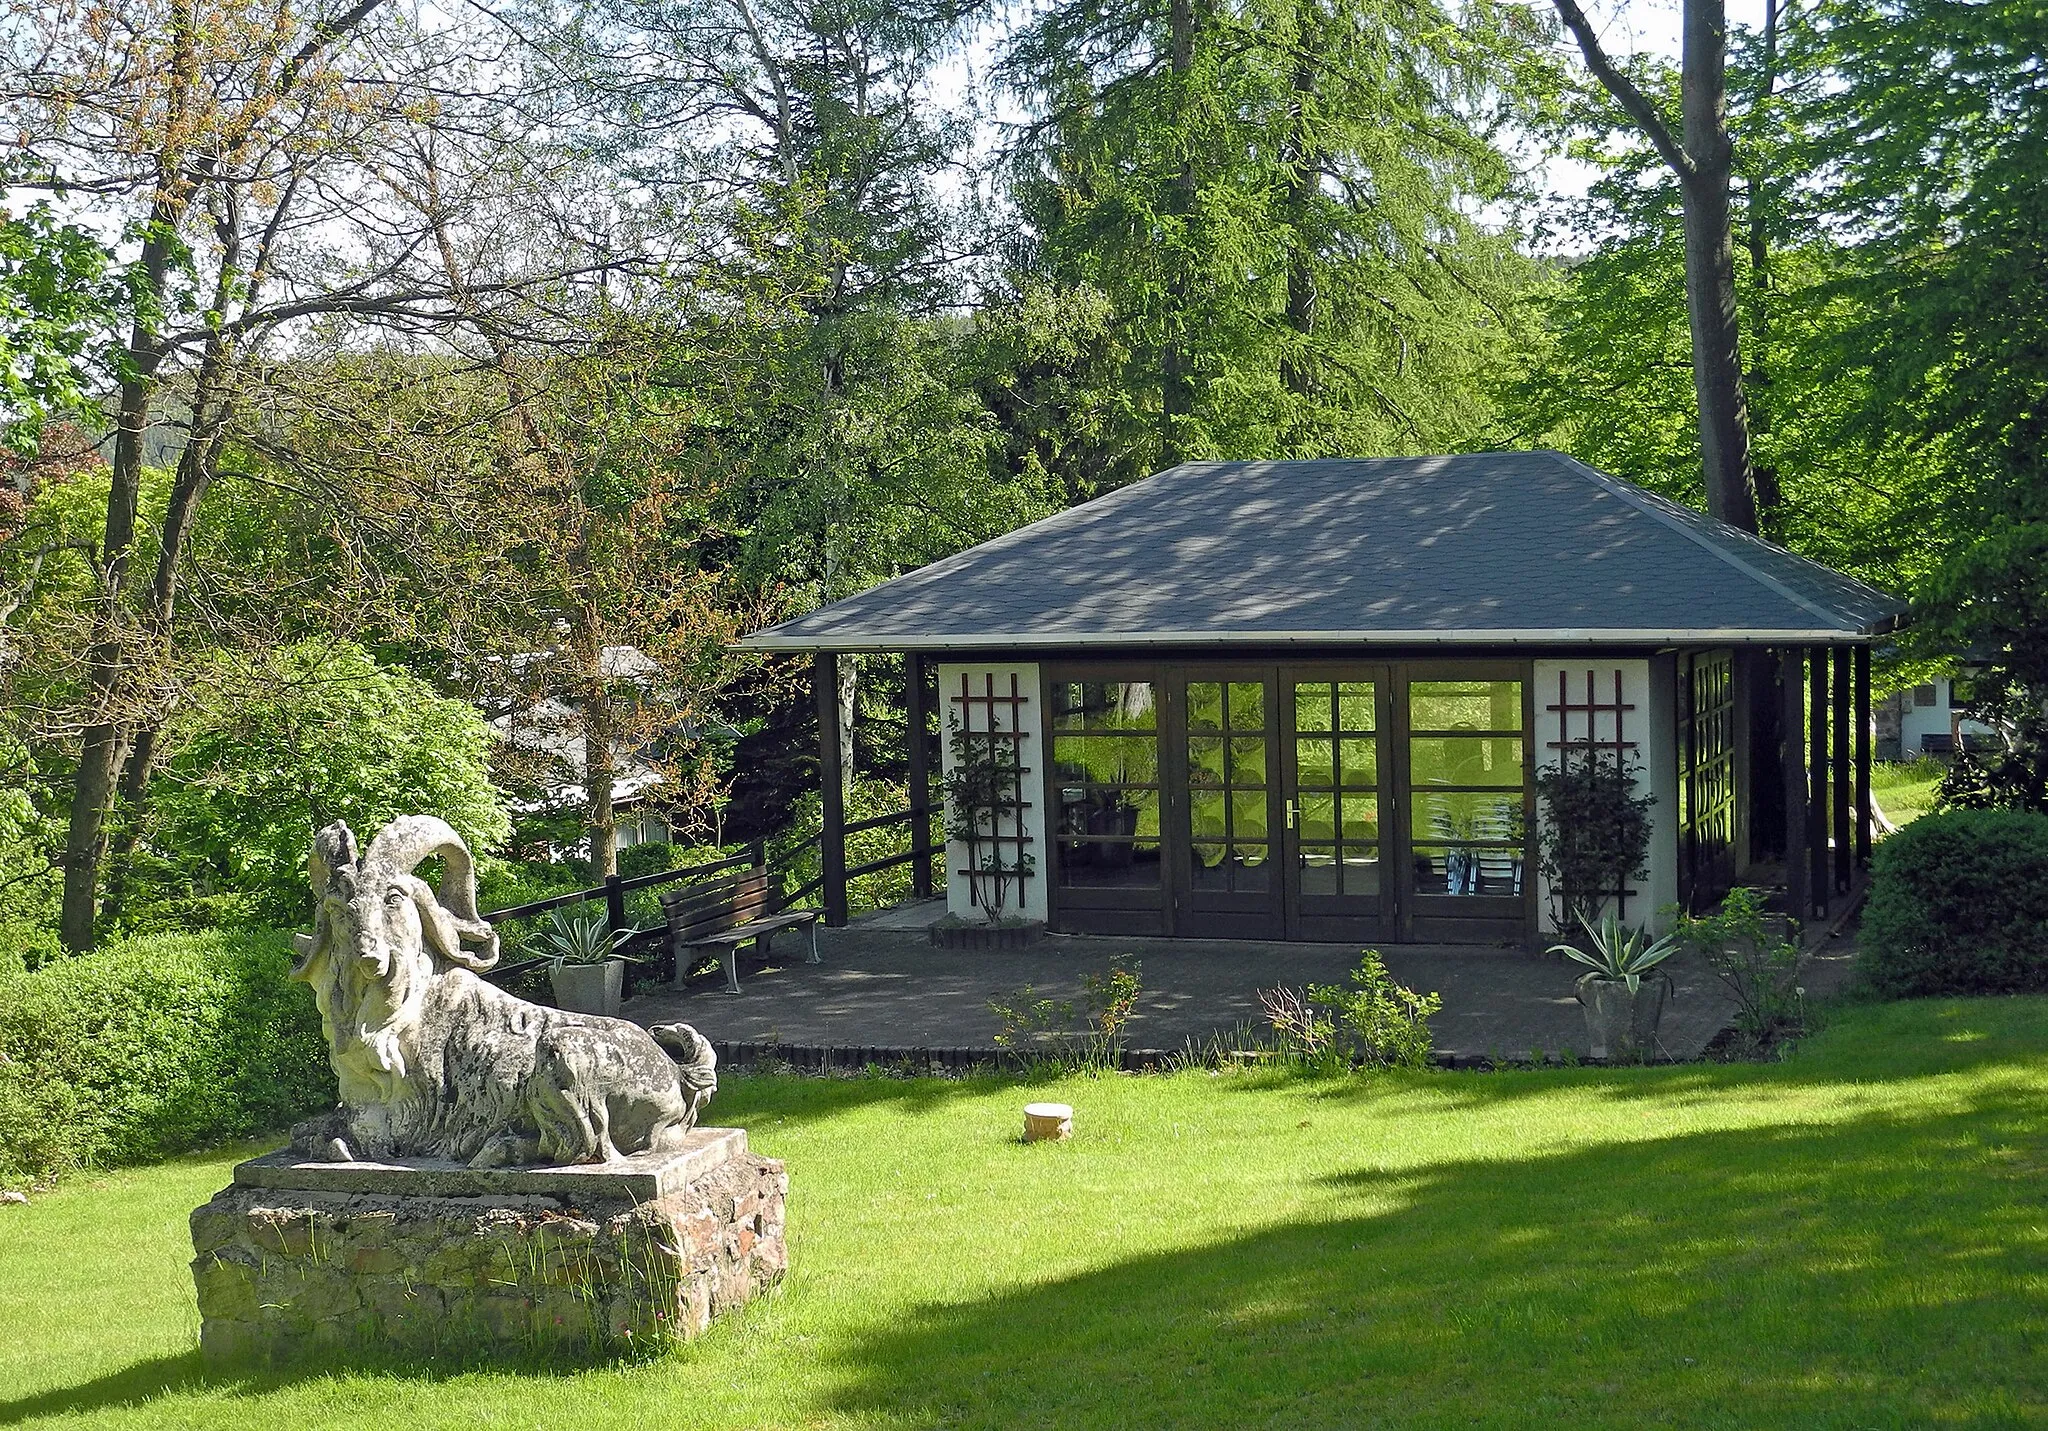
701,910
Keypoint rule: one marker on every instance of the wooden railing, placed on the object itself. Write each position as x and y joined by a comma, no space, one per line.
827,888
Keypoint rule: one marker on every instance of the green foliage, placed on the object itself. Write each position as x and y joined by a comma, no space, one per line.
1593,834
1959,904
57,304
1747,954
153,1046
1613,951
1377,1023
795,852
1046,1033
578,934
316,733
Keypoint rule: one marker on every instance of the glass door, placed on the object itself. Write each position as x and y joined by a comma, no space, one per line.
1468,806
1332,805
1226,882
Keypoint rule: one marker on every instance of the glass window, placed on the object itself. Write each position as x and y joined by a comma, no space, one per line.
1109,864
1103,705
1105,755
1464,705
1494,763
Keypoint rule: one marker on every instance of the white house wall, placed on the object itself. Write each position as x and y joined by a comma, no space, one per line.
1031,755
1650,730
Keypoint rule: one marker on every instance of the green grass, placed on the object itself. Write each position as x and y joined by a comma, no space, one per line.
1856,1237
1904,790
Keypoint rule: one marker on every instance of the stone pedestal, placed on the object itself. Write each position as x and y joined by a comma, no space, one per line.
301,1260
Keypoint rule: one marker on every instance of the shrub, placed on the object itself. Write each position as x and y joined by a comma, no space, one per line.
1749,955
1594,835
152,1046
1383,1024
1959,905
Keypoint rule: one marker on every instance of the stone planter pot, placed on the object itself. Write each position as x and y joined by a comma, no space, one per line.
590,988
1620,1024
952,932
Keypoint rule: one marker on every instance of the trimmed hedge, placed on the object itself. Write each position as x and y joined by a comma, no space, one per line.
152,1046
1959,905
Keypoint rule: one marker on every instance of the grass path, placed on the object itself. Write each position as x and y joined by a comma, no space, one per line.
1857,1237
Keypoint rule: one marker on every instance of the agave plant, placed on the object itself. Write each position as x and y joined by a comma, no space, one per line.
580,939
1619,953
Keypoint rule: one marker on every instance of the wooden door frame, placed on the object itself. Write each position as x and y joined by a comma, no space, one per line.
1339,927
1176,803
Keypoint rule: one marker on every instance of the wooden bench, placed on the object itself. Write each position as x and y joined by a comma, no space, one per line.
726,912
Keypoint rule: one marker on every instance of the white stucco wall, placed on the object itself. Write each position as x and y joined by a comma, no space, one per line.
1917,721
1031,754
1652,727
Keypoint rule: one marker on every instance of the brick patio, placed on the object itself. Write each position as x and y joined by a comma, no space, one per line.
882,984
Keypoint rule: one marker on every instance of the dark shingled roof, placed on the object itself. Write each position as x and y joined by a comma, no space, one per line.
1484,548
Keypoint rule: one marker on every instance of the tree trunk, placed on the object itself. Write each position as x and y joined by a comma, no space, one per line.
1304,171
849,687
601,821
1710,268
105,743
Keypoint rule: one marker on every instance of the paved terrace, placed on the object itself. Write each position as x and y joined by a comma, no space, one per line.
882,984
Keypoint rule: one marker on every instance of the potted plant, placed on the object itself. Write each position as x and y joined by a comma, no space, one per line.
585,967
1623,991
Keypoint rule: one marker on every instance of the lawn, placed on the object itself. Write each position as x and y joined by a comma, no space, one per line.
1905,789
1854,1237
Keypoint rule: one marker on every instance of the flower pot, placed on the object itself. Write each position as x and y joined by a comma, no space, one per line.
1620,1024
589,988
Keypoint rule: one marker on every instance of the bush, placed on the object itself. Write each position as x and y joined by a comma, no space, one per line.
1959,905
152,1046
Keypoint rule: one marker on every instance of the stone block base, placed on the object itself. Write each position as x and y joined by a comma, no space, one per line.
575,1263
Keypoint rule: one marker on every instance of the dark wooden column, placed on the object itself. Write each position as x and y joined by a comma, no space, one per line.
832,827
1817,778
1842,785
1792,761
917,708
1864,819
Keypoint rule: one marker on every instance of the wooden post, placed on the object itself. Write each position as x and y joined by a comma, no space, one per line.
832,825
614,904
1864,819
1817,779
1792,761
1845,848
917,746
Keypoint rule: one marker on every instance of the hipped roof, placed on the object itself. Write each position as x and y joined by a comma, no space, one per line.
1470,550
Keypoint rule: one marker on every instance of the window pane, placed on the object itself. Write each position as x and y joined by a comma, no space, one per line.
1312,764
1312,706
1248,761
1355,706
1318,820
1361,762
1109,864
1103,705
1361,819
1206,814
1107,812
1465,705
1248,815
1250,873
1361,870
1205,705
1461,870
1107,759
1440,815
1208,872
1205,760
1465,760
1247,706
1318,869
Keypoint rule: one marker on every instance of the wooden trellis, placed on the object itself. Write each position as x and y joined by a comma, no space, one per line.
1592,744
1006,842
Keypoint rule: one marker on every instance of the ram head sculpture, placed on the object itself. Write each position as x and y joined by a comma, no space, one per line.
434,1062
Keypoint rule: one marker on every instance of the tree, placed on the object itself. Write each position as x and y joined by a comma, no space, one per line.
268,753
1701,155
1273,198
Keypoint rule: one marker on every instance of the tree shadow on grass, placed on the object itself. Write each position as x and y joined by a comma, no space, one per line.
1874,1272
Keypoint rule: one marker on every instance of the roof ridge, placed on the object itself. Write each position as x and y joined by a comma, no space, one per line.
1650,504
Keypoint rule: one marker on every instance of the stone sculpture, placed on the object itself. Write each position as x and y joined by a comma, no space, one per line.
434,1062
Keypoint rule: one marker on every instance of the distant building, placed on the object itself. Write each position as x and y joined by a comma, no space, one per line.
1923,720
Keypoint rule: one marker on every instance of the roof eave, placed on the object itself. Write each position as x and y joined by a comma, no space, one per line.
773,640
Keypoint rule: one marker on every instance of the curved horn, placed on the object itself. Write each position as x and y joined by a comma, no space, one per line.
398,849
